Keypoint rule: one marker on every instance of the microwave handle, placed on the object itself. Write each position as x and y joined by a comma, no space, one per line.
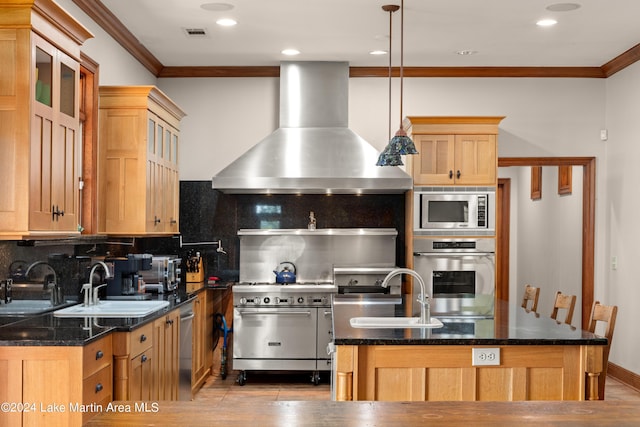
449,254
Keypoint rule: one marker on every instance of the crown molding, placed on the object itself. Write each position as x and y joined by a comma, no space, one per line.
116,29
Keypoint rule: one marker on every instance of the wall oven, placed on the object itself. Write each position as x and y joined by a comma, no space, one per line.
454,210
459,274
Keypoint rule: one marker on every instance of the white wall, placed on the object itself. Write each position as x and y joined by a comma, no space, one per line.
621,287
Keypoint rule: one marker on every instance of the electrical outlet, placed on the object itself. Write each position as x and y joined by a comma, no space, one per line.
485,356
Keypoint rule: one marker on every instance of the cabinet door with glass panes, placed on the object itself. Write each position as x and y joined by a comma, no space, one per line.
162,176
55,150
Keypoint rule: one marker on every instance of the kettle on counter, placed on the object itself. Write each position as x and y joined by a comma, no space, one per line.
286,275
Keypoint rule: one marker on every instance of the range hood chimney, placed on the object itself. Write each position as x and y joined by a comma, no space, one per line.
313,151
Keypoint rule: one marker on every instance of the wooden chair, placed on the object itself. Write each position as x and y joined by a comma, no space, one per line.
606,314
564,302
531,294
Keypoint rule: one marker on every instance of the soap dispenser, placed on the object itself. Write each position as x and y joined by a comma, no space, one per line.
312,221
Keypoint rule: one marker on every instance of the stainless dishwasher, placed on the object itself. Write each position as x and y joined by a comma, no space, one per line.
186,349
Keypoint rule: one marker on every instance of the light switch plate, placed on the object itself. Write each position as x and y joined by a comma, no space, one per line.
485,356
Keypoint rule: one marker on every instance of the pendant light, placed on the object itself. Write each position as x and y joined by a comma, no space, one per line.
400,144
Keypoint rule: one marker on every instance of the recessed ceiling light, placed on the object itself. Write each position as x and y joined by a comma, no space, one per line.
563,7
378,52
546,22
466,52
217,7
226,22
290,52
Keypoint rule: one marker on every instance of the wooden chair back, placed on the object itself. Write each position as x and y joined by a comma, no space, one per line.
531,294
564,302
606,314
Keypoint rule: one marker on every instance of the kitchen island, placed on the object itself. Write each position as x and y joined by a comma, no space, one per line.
524,357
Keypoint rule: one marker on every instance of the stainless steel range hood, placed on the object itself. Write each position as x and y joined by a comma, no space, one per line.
313,151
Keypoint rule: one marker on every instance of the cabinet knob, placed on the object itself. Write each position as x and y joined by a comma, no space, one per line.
450,174
173,221
458,174
169,321
143,358
143,338
99,354
99,387
156,220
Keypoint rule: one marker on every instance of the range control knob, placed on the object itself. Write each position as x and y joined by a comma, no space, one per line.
267,300
243,301
300,300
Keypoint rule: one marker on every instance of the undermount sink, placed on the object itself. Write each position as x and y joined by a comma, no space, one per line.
25,306
113,309
393,322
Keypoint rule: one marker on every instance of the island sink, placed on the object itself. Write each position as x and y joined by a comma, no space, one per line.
393,322
113,309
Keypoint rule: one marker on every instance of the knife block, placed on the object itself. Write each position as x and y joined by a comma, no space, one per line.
197,276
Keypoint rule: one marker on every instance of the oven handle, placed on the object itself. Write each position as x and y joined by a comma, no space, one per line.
260,313
450,254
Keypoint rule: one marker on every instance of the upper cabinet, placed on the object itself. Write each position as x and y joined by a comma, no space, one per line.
138,181
454,150
39,119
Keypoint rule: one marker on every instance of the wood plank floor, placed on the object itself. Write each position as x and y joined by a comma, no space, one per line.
272,387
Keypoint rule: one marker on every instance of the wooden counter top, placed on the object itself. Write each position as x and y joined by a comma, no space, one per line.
325,413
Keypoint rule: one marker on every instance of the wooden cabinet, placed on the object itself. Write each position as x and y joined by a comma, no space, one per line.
454,150
146,360
166,338
97,375
39,119
202,353
446,373
138,184
133,368
59,384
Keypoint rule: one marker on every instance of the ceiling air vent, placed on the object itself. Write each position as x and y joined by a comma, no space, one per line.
195,32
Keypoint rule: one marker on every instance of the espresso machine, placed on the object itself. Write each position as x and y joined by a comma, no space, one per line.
126,282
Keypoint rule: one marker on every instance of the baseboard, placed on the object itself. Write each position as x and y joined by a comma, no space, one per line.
624,376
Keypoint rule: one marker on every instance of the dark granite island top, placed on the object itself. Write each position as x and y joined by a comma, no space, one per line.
523,357
521,328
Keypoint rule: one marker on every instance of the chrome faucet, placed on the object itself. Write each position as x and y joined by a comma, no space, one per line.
87,288
425,311
48,286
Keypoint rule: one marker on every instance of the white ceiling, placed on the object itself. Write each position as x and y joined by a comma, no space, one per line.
503,32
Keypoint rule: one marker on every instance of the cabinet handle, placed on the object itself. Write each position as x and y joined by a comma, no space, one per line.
143,358
143,338
99,387
99,354
173,221
450,174
169,321
458,174
156,220
56,213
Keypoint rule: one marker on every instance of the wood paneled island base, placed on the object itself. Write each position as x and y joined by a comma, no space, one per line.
319,413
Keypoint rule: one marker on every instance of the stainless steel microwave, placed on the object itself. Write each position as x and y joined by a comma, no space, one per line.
454,210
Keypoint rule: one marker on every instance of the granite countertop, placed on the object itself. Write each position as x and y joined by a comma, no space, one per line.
48,330
522,328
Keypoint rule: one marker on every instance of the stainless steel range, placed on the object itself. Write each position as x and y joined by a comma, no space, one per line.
282,327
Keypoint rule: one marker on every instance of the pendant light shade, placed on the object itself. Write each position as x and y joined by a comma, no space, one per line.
400,144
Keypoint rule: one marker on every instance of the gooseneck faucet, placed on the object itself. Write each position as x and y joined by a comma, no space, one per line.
425,311
51,287
87,288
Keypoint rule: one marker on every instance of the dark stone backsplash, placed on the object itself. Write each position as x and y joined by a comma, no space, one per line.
208,216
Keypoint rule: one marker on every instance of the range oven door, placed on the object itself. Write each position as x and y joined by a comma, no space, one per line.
459,283
274,333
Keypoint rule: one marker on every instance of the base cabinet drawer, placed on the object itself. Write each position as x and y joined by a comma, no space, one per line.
97,392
